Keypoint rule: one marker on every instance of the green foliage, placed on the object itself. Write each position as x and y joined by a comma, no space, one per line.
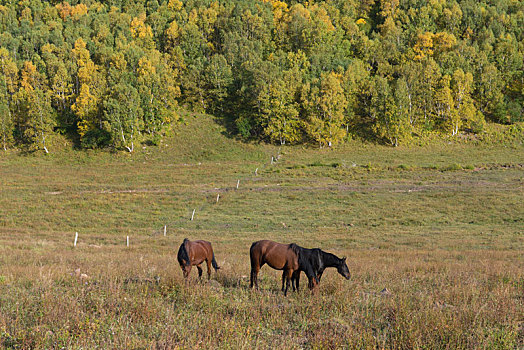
96,138
452,167
279,71
124,114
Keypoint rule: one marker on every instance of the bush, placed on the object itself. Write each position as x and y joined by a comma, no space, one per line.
96,138
452,167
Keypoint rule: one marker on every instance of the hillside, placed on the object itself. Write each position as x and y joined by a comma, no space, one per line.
433,238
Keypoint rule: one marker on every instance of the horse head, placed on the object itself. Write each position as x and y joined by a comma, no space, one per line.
342,268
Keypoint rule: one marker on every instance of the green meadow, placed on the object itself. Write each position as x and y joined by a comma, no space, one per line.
434,239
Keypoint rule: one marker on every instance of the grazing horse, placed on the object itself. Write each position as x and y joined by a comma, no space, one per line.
193,253
278,256
314,262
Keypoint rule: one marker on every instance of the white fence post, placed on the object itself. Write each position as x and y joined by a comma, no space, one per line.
193,215
238,183
165,229
76,239
127,241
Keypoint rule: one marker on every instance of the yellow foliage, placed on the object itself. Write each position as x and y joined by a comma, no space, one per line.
300,10
84,107
173,31
444,41
28,79
280,10
78,11
193,16
145,68
64,9
139,29
118,61
9,70
424,45
468,33
87,72
80,52
48,48
97,7
27,15
175,4
360,21
320,14
388,8
174,91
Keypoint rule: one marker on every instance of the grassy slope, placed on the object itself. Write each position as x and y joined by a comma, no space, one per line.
446,242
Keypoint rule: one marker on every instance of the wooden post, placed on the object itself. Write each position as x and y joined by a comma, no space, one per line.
218,196
127,241
193,215
76,239
165,229
238,183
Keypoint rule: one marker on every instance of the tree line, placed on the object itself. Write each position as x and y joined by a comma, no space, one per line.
116,73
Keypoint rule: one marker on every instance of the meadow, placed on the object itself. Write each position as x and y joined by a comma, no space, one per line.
434,237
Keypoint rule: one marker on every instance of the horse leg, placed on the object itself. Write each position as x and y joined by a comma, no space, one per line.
312,278
288,273
199,272
255,268
295,280
254,278
208,261
187,270
319,276
312,285
283,279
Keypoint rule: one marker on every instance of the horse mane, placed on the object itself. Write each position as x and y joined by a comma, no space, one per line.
296,249
329,259
305,262
183,255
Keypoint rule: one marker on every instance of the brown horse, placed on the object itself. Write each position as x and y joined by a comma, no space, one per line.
278,256
193,253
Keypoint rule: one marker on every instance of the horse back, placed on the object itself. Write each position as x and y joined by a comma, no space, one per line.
200,250
277,255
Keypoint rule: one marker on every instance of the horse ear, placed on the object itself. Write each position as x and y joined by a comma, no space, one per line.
344,258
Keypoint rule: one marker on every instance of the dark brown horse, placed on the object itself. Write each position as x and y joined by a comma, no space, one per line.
193,253
278,256
313,262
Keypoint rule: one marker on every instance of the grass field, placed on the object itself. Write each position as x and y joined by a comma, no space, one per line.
441,228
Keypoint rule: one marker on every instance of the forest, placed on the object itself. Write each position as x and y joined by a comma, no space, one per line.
116,74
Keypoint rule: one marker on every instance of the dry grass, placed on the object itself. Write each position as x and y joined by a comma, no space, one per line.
441,229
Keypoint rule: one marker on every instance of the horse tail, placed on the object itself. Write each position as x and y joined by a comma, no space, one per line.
251,252
183,256
214,263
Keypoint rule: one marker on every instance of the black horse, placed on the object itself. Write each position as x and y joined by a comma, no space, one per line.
313,262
